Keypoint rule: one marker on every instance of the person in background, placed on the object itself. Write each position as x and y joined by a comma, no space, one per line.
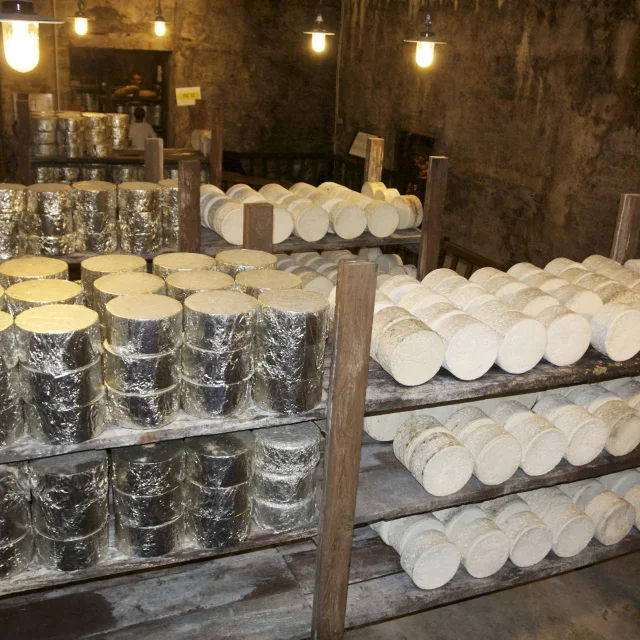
140,130
134,89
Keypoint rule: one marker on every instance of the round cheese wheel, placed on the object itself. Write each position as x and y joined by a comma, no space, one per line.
182,284
167,263
568,335
258,281
530,301
382,219
384,427
614,331
430,559
233,261
32,268
34,293
523,270
560,265
375,190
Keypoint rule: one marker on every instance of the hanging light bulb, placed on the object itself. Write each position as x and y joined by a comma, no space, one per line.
426,43
20,34
81,25
319,33
159,23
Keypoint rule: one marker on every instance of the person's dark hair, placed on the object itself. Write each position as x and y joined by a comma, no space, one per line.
139,113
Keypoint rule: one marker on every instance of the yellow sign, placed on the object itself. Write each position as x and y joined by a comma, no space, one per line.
187,96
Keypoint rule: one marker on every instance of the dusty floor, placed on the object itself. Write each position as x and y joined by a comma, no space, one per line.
597,603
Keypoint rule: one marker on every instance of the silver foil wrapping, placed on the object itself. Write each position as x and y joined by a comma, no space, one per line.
44,150
15,514
43,121
71,149
281,517
44,137
17,555
95,130
141,373
10,389
100,243
11,423
207,401
219,461
283,487
169,212
71,137
96,267
138,197
13,198
10,224
216,502
149,542
287,396
171,173
291,448
73,554
47,174
70,175
127,173
140,243
49,199
118,130
52,245
216,367
299,362
98,150
61,523
214,533
234,261
148,470
54,224
144,411
148,511
95,206
94,172
66,426
11,247
167,263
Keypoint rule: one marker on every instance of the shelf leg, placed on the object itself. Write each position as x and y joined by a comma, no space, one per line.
24,139
258,226
374,160
345,417
189,233
627,233
153,159
217,141
431,237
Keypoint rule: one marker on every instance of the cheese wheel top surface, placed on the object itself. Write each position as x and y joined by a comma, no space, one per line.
147,306
129,283
221,303
184,261
169,183
33,266
268,279
200,279
5,321
294,301
94,185
7,186
49,187
56,318
44,290
114,263
246,257
138,186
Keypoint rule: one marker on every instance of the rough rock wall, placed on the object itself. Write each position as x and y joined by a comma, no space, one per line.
536,103
249,55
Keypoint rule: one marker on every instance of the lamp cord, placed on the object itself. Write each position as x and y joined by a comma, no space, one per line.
81,6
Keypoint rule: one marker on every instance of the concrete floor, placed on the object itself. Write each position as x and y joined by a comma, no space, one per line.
597,603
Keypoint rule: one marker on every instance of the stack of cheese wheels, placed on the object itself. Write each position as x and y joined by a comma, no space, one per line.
310,221
123,284
36,293
627,389
93,268
182,284
282,219
391,263
404,346
47,225
59,347
169,212
71,509
530,538
291,336
139,220
222,215
384,427
586,434
13,204
95,211
496,452
626,484
167,263
307,268
233,261
568,333
522,341
622,421
11,421
147,489
615,331
217,354
634,265
614,270
435,457
126,173
96,143
612,515
283,496
144,335
471,347
426,554
43,126
94,172
483,546
543,445
576,298
258,281
571,527
218,473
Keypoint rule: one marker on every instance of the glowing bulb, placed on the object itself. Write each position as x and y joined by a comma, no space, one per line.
81,26
318,42
424,54
160,27
21,44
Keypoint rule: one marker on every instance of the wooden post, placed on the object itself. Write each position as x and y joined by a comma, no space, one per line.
627,233
345,417
189,206
258,226
374,160
24,139
153,159
217,142
200,114
433,210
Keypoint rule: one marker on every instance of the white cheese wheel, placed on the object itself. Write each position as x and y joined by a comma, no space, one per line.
391,194
634,265
410,211
382,219
594,262
531,302
370,253
504,286
404,530
436,314
388,261
327,186
624,427
568,335
437,277
347,221
430,559
274,191
627,485
418,299
282,225
558,266
628,390
310,223
411,433
523,270
302,188
545,282
229,223
575,274
578,299
382,529
615,331
375,190
482,276
465,295
384,427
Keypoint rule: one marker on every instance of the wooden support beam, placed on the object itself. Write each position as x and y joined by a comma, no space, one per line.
345,417
258,226
24,139
627,233
433,211
374,160
217,145
189,234
200,114
153,159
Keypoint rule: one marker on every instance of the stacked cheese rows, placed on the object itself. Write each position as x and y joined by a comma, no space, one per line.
522,528
13,205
